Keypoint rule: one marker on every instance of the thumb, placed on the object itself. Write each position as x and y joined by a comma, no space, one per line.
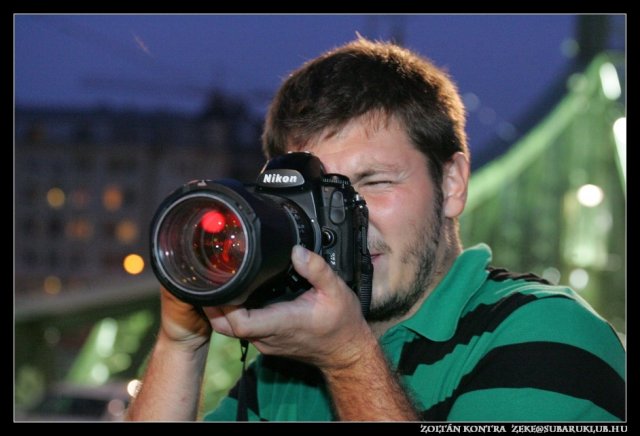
315,269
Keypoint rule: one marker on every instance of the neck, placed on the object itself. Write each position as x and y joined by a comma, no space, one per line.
449,249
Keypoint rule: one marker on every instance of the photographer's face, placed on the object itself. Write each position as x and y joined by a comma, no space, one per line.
405,209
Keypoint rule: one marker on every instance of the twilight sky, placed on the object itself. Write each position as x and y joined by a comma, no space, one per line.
501,63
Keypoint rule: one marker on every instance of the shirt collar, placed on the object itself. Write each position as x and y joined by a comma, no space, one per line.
437,318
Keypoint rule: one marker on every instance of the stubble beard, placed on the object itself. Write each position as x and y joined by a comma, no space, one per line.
423,255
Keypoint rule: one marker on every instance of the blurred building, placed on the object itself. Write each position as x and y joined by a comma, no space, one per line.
87,183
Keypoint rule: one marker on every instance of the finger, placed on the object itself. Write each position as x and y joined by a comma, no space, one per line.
218,320
259,323
316,270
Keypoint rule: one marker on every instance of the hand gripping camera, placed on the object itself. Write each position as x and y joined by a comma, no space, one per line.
222,242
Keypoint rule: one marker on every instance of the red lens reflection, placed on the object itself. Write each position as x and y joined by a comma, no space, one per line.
213,221
220,243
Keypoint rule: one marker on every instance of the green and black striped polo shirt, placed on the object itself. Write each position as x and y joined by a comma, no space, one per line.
487,345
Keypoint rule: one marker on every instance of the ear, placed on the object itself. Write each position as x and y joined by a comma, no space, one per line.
455,179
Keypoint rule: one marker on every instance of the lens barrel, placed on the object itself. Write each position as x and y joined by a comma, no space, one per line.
215,243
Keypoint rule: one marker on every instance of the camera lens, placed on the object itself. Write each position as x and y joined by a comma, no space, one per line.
218,242
202,243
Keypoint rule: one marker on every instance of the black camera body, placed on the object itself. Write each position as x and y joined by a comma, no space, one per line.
223,242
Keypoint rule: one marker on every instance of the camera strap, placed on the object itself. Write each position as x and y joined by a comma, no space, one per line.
243,413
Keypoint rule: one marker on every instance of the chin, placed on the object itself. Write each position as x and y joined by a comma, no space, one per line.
379,296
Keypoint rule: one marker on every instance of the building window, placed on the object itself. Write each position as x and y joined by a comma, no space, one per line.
126,231
112,198
79,228
84,164
112,261
121,165
77,260
80,198
54,228
109,229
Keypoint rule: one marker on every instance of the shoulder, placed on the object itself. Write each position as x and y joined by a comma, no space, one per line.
523,308
543,344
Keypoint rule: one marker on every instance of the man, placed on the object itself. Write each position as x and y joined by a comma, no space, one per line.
448,337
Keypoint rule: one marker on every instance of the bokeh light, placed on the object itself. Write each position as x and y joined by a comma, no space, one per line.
133,264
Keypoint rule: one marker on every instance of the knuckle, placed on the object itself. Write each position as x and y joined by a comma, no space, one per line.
241,330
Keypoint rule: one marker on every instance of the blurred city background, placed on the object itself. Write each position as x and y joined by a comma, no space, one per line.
113,112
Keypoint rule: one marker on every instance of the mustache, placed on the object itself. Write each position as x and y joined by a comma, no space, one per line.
375,243
378,246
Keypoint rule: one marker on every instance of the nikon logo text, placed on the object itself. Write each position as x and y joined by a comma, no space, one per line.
279,178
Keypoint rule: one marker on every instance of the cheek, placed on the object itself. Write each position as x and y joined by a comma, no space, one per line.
398,218
391,216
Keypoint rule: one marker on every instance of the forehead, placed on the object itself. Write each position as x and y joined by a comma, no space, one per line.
365,145
368,124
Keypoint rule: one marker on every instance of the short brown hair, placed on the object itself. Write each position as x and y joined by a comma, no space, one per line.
365,77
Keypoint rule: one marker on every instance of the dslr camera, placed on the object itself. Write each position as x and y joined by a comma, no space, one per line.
217,242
